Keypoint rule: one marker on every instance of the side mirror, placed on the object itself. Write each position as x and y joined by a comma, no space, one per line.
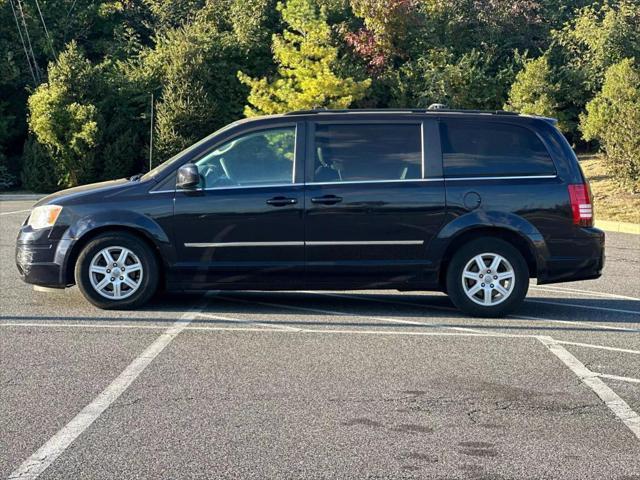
188,177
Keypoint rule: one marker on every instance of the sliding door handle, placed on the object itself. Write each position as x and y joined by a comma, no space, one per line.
326,199
281,201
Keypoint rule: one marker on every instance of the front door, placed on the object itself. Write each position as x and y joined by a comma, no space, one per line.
244,226
372,205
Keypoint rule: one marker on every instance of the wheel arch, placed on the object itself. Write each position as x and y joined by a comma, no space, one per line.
515,238
88,236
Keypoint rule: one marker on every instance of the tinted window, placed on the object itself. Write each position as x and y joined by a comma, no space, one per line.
259,158
492,149
367,152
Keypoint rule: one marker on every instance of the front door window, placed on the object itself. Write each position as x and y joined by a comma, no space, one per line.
259,158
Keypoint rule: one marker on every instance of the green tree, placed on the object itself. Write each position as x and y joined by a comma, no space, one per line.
39,172
193,69
306,67
120,157
600,36
613,118
253,22
534,91
14,79
501,25
64,120
474,80
103,29
181,115
7,180
172,14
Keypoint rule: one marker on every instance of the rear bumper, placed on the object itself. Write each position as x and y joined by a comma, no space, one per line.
584,261
43,264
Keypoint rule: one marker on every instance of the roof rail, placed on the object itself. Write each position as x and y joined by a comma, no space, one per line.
462,110
398,110
357,110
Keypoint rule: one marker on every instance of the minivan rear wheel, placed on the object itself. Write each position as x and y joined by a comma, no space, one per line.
117,271
487,277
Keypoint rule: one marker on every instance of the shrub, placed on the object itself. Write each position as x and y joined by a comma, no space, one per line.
63,119
613,118
39,173
533,91
120,156
473,80
7,180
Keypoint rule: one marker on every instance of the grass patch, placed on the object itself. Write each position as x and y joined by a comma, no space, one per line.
612,202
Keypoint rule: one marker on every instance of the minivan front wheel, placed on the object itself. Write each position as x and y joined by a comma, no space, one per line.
487,277
117,271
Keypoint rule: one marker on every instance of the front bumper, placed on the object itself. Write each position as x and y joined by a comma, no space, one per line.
43,264
584,260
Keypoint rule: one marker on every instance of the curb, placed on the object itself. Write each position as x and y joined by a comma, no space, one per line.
619,227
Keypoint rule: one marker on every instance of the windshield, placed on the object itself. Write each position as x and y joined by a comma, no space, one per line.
167,164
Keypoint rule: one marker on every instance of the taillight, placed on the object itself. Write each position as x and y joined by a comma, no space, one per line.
581,204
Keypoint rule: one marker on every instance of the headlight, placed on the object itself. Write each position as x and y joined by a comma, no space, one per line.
44,216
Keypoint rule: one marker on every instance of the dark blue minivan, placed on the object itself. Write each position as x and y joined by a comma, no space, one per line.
471,203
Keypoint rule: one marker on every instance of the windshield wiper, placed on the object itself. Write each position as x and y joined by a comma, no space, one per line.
136,177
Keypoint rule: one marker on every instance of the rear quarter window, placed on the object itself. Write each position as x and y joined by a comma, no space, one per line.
473,149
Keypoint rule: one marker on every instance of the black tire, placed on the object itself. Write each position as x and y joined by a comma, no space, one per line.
465,255
149,278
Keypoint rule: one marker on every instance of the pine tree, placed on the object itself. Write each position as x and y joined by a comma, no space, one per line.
39,173
533,92
306,62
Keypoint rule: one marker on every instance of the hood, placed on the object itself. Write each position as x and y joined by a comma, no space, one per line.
103,188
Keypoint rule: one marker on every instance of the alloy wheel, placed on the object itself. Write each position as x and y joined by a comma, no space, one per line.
488,279
115,272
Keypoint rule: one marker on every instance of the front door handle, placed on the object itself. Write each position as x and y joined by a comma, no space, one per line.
327,199
281,201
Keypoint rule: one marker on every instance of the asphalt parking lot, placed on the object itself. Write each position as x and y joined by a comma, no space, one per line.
321,384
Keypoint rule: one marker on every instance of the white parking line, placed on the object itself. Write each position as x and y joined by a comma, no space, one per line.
333,331
438,307
610,398
274,329
47,454
247,321
37,463
341,313
602,347
72,325
583,292
576,322
588,307
616,377
16,211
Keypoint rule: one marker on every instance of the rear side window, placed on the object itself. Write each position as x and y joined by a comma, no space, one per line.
367,152
492,149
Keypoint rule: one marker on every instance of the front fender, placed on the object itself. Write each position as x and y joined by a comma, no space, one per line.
118,218
85,225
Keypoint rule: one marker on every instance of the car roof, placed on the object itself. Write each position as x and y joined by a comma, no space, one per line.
378,113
